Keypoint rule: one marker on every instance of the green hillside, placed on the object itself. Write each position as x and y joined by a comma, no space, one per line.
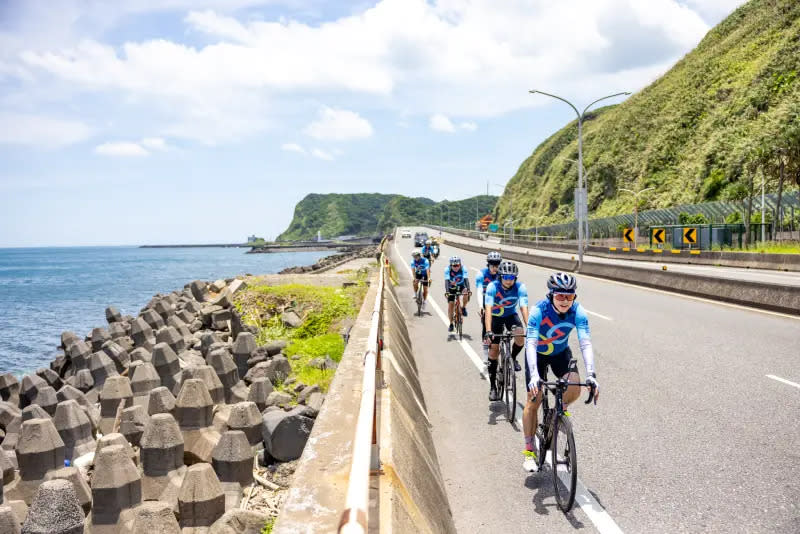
366,214
336,214
726,112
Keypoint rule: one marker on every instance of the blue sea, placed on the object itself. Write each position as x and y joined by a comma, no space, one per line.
44,291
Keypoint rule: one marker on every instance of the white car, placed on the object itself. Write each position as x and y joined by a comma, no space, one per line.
405,233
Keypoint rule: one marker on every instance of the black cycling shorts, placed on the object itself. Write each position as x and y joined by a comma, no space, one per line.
559,363
509,322
422,276
452,293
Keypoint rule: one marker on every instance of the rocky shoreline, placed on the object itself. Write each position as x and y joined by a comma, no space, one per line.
334,260
164,422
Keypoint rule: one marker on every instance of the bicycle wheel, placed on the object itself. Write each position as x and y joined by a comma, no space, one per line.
419,300
459,320
501,371
511,389
565,463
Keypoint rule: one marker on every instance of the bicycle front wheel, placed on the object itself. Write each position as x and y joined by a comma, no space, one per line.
511,389
419,300
565,463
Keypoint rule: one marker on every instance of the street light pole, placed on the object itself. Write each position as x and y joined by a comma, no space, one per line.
580,156
763,237
636,211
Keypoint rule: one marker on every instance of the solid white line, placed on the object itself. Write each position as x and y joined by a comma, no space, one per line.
779,379
593,510
671,293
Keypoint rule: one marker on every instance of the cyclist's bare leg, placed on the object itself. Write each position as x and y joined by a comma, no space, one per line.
519,336
464,300
530,415
449,309
416,285
573,392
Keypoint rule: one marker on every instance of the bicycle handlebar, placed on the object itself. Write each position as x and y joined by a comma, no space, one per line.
562,384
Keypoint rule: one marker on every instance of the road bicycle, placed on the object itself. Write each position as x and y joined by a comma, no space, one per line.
420,295
506,375
456,318
555,434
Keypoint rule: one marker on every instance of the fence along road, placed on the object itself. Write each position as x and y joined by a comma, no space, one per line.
690,434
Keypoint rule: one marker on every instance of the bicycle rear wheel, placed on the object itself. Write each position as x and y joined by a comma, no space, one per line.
511,388
419,300
565,463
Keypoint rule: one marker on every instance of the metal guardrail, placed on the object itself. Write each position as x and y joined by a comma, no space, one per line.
355,517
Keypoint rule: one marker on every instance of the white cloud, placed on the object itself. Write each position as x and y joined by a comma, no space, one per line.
339,125
462,58
154,143
121,148
441,123
39,131
321,154
293,147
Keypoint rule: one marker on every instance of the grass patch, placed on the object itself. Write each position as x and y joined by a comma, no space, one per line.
268,526
317,347
769,247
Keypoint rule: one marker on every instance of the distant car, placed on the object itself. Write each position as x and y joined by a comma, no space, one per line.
420,238
405,233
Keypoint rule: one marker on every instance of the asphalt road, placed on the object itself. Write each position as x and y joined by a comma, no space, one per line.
735,273
690,434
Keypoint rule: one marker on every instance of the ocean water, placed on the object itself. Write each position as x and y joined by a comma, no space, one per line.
44,291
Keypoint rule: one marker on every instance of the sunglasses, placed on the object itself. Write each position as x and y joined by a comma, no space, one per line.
563,297
508,277
456,265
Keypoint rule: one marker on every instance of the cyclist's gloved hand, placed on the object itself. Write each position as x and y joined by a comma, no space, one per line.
591,380
487,339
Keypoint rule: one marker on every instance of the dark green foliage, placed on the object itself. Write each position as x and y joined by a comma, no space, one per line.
365,214
697,218
733,218
696,134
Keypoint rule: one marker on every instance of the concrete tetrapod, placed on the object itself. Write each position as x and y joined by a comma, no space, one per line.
167,365
101,367
40,449
160,400
55,510
285,433
238,521
201,500
142,334
193,411
210,379
245,416
79,484
260,390
132,423
171,337
9,524
9,388
162,460
116,391
68,392
243,346
75,429
116,486
233,462
154,517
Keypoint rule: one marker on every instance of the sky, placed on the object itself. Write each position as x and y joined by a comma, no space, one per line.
203,121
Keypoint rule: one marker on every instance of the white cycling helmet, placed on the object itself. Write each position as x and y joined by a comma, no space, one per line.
562,283
455,260
427,241
494,258
508,267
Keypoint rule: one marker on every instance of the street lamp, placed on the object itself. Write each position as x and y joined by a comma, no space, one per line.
580,157
635,210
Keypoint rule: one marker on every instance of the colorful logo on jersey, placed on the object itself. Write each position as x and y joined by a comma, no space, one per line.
457,277
501,303
554,336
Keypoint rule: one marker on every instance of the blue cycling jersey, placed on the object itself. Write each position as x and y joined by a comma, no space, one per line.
552,330
426,250
504,302
420,266
459,278
484,278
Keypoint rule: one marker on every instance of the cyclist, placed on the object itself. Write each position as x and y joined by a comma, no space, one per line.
427,251
422,270
482,281
456,282
436,248
550,323
501,300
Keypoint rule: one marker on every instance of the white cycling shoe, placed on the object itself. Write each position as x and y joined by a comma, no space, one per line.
530,464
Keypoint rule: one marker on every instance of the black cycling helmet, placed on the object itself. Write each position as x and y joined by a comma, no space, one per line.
508,267
416,253
494,258
562,283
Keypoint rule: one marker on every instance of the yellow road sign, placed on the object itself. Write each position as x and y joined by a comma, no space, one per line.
658,235
690,235
627,235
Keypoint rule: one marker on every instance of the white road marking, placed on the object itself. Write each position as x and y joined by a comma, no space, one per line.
671,293
600,315
593,510
779,379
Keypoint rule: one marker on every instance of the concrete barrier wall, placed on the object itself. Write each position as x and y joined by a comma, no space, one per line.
751,260
413,495
756,294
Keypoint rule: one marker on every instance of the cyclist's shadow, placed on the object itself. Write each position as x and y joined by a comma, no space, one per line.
542,484
498,408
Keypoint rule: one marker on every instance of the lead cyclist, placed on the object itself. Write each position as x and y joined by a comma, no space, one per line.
550,322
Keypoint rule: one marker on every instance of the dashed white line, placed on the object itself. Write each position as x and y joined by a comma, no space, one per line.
783,380
593,510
